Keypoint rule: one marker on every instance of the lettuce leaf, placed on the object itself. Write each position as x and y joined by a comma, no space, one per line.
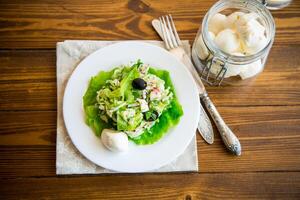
168,119
92,118
122,125
95,84
126,86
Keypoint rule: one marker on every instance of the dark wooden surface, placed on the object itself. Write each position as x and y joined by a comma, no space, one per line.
265,114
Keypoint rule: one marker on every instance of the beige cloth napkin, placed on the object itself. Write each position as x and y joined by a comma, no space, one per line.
68,159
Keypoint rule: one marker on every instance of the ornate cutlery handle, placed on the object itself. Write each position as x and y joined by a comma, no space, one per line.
228,137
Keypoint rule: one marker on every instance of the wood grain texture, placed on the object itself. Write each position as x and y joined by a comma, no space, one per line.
34,80
269,137
263,155
264,114
40,24
170,186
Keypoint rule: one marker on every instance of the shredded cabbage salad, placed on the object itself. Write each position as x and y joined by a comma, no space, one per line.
137,100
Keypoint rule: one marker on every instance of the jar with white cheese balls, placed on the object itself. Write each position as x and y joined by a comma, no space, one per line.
234,41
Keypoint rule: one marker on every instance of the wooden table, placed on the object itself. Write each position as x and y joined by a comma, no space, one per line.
265,115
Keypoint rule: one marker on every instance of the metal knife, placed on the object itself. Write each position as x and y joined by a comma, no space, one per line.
230,140
204,125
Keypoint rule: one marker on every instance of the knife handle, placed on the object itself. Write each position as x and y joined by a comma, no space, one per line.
230,140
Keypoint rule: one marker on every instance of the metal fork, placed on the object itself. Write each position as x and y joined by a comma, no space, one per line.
173,44
171,37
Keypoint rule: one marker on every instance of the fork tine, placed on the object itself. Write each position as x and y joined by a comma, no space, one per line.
175,31
172,36
168,38
163,29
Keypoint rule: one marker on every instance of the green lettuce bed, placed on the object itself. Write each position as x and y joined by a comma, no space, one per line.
168,119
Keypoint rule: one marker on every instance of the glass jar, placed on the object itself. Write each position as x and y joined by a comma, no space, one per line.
217,66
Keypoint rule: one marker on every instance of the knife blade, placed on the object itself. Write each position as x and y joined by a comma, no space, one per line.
204,125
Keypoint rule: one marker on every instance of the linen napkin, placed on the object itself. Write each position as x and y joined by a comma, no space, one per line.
68,159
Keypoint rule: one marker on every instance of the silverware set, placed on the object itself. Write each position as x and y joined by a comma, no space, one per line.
166,29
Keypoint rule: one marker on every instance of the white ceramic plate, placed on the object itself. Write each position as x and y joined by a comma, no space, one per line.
137,158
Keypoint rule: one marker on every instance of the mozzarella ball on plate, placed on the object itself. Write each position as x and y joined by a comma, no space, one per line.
217,23
228,41
114,140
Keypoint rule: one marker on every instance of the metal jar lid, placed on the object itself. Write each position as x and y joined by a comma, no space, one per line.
275,4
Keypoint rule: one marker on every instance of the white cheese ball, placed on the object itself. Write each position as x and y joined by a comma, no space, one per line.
251,69
228,41
232,19
217,23
253,37
238,54
251,33
201,47
114,140
234,70
247,17
212,36
244,71
257,46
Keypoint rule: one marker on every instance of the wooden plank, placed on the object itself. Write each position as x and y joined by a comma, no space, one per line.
28,80
265,114
26,161
269,137
259,155
41,24
282,185
30,84
39,127
41,94
28,128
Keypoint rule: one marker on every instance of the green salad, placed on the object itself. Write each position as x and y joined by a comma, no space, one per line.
138,100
